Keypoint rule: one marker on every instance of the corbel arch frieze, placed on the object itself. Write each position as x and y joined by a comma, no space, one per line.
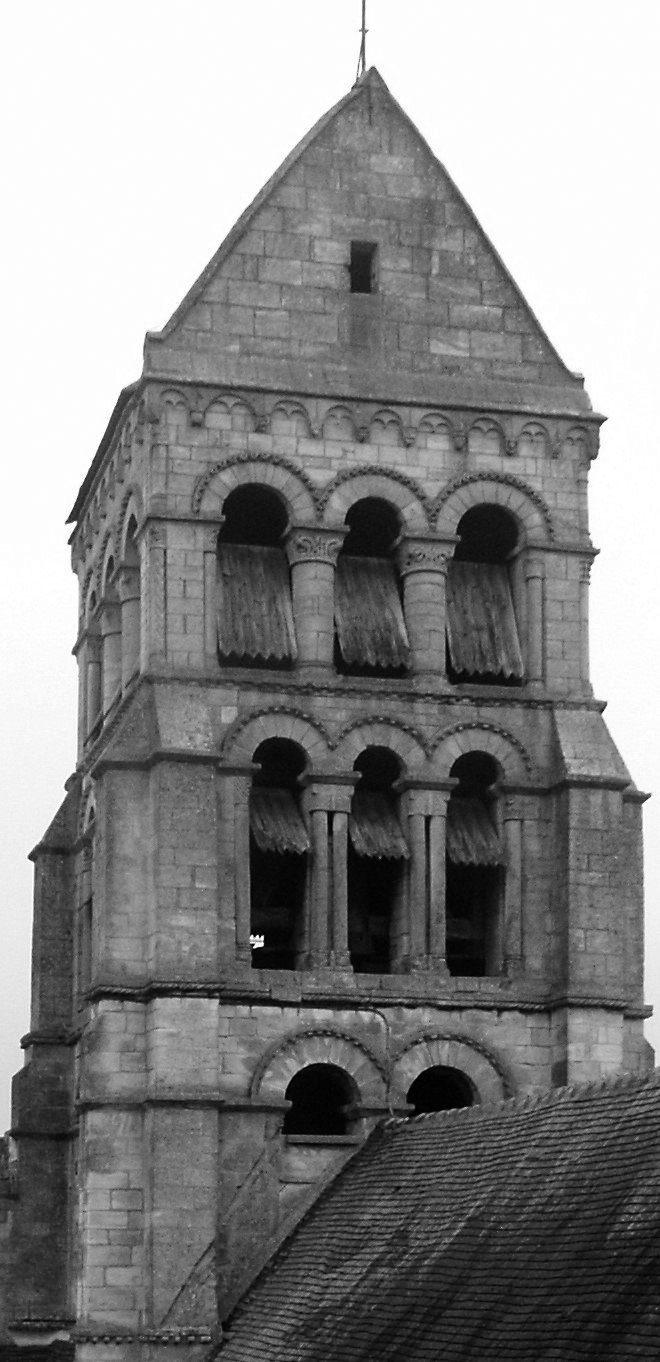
339,423
501,489
226,413
532,439
372,480
485,435
451,1050
386,428
435,426
579,443
174,407
268,470
319,1045
481,736
403,739
290,418
280,721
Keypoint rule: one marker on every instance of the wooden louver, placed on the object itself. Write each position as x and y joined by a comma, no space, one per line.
482,634
370,625
255,614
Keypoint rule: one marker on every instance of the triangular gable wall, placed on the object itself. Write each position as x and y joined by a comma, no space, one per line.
274,305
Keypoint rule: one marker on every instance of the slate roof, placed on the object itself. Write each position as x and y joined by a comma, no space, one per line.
527,1231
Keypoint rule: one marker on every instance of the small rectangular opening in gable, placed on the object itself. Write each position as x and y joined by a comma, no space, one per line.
363,267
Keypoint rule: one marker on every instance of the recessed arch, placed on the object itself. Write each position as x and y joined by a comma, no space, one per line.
479,1065
130,510
486,436
279,474
495,741
319,1045
338,424
352,485
513,495
290,418
249,731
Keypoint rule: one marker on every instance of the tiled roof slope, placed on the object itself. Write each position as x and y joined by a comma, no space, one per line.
522,1232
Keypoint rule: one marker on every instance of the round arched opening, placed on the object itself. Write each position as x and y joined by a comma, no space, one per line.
377,852
373,527
253,515
281,762
321,1097
440,1088
476,773
488,534
278,845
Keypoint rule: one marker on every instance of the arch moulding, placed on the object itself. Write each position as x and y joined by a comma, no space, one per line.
499,489
482,737
250,730
268,470
374,480
405,741
452,1051
319,1045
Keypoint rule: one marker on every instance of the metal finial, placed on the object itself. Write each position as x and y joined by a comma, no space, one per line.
362,59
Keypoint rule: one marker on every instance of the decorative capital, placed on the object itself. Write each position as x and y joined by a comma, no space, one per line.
423,555
314,545
585,569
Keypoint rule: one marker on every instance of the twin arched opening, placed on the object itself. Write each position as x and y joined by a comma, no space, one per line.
325,1099
110,644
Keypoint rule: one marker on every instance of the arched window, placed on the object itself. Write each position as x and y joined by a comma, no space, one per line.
93,697
483,644
255,614
322,1098
370,637
278,862
440,1088
377,851
475,869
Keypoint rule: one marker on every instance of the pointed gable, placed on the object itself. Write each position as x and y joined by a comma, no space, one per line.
275,305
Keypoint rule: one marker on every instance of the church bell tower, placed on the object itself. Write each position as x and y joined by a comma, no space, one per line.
348,835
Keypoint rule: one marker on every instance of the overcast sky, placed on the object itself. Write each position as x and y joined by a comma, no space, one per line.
136,132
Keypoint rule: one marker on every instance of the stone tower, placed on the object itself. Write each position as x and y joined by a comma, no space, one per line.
347,834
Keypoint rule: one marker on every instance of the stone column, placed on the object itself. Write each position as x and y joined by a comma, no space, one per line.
423,566
129,596
426,807
312,554
585,576
512,934
154,633
534,575
93,679
210,554
110,651
327,802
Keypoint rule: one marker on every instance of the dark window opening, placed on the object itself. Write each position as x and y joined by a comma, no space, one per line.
376,854
278,863
440,1089
483,646
370,634
475,870
363,267
322,1098
255,614
253,515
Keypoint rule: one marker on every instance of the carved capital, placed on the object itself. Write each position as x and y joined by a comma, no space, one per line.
585,569
314,545
423,555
